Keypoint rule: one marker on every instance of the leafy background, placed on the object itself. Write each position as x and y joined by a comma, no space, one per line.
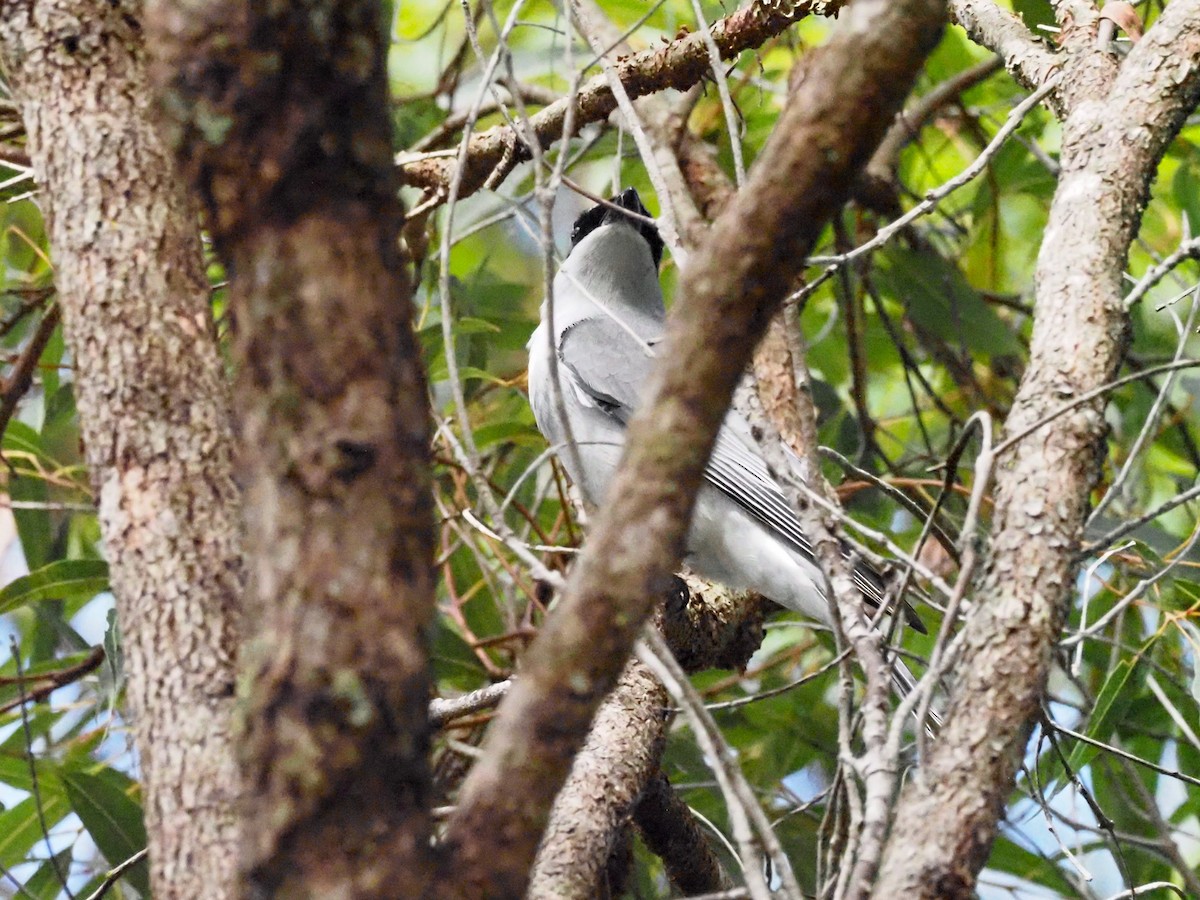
938,321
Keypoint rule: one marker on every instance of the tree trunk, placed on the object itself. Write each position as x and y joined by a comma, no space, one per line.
153,407
280,113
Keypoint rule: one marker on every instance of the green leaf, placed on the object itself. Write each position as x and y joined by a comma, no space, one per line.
21,827
1113,701
113,819
1008,856
940,300
1035,13
14,773
57,581
33,525
46,883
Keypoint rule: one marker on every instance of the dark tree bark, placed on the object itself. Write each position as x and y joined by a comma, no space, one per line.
153,408
279,113
851,89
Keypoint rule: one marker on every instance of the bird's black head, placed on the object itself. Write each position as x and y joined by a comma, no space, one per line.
602,214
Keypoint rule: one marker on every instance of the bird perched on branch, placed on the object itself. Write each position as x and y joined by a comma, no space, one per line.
607,318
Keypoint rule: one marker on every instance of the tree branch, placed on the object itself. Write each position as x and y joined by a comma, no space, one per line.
20,379
1119,124
1028,60
851,89
622,752
680,64
674,835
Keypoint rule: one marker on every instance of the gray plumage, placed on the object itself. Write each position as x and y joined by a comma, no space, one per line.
608,318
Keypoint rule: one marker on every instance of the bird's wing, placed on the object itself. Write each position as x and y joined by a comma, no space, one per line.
611,367
743,476
608,365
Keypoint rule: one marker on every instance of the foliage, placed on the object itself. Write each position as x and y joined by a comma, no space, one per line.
906,344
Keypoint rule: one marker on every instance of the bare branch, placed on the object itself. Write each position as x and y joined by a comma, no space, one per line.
673,834
621,754
1029,60
20,379
755,838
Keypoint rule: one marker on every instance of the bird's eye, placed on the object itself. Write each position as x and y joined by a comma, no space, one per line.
587,223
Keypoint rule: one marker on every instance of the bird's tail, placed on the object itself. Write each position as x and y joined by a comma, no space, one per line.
904,683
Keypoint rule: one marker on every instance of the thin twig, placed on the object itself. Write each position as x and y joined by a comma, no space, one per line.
114,874
20,379
933,197
442,710
55,679
1154,416
1087,397
34,787
750,824
1187,249
1133,524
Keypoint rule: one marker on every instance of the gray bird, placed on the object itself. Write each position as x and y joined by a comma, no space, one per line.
608,317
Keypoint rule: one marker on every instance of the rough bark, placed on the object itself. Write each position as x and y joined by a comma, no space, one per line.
280,115
153,408
620,755
706,627
1027,59
749,258
1120,120
674,835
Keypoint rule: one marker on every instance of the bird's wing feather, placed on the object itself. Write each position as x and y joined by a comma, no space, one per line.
611,368
607,364
743,476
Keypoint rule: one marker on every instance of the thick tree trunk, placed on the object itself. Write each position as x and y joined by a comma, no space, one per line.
280,112
1120,122
153,406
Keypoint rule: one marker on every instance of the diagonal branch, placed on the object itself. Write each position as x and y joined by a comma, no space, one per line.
680,64
20,379
851,89
1001,31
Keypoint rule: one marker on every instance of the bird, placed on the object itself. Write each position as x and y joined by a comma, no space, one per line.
601,331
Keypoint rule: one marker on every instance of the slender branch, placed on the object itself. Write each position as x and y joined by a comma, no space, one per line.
54,680
443,711
930,201
114,874
1187,249
679,64
20,379
1001,31
673,834
752,830
910,122
34,787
